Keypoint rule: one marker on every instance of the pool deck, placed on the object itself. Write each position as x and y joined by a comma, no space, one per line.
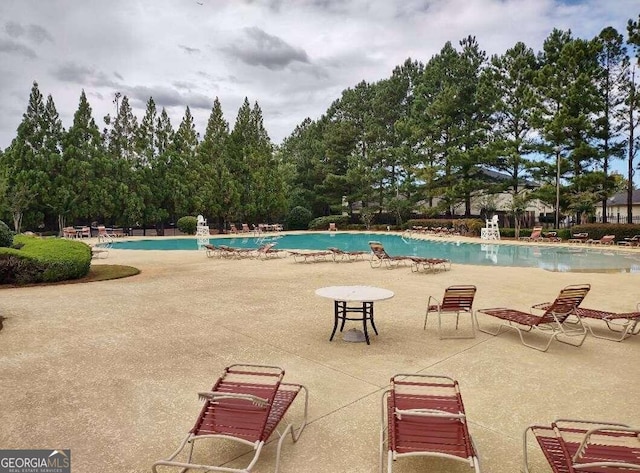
111,369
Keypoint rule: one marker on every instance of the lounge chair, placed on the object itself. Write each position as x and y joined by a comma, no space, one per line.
332,227
245,228
231,252
553,321
309,256
586,446
633,241
212,250
379,257
429,264
341,255
103,234
232,228
456,300
268,251
605,240
245,405
579,237
536,235
84,232
623,324
551,237
423,415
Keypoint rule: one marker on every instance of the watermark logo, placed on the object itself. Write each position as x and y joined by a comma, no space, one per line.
35,461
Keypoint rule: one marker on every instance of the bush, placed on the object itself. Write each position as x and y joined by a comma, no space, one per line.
322,223
6,235
188,225
598,230
44,260
299,218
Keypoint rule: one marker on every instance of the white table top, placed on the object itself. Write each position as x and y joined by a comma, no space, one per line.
355,293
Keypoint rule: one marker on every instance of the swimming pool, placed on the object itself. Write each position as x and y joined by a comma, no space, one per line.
549,257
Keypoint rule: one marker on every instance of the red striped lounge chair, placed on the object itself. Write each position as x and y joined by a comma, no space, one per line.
581,446
554,320
379,257
341,255
622,324
456,300
245,405
310,256
423,415
419,264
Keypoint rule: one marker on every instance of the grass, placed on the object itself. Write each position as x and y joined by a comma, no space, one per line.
100,272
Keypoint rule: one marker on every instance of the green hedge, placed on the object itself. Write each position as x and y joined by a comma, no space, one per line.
322,223
598,230
43,260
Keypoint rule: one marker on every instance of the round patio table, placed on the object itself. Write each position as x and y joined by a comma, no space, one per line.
343,295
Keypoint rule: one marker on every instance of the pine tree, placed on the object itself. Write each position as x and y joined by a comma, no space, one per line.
612,74
218,189
26,173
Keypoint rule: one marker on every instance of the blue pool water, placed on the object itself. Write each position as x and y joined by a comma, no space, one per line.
552,258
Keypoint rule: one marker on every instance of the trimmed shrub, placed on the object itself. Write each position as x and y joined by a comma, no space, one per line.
188,225
322,223
6,235
299,218
598,230
44,260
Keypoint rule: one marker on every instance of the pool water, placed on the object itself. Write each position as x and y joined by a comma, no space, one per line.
549,257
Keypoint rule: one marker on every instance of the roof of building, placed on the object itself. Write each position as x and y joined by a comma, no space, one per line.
621,198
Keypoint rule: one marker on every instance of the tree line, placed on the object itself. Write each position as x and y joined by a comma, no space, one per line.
428,138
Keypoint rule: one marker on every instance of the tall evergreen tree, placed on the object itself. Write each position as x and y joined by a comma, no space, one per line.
512,74
219,189
27,179
613,73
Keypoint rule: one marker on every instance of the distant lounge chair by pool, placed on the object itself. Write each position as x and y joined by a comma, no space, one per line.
380,257
341,255
310,256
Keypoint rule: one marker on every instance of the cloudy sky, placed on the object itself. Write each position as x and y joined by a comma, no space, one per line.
294,57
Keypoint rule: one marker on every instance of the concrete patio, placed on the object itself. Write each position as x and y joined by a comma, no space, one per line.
111,370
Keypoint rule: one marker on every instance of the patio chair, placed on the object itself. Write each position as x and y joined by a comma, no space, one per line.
309,256
341,255
245,228
332,227
379,257
536,235
605,240
623,324
456,300
574,446
245,405
423,415
84,232
554,320
579,237
268,251
232,228
212,250
69,232
429,264
103,234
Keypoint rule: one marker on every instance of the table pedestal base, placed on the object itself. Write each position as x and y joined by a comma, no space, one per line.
341,313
